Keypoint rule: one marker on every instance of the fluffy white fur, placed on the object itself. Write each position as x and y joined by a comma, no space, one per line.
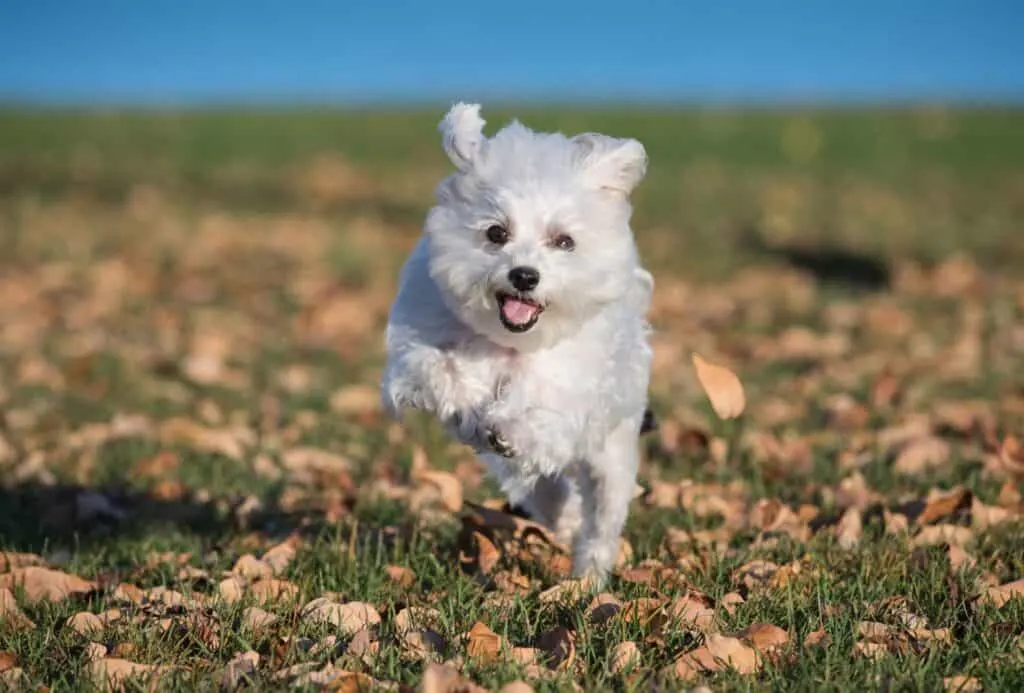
554,411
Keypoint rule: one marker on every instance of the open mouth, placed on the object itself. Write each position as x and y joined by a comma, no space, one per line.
518,313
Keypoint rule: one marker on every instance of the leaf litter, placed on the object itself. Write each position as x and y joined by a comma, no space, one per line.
223,379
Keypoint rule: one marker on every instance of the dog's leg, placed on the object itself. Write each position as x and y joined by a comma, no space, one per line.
556,503
606,485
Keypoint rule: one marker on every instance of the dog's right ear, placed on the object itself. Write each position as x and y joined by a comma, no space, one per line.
462,134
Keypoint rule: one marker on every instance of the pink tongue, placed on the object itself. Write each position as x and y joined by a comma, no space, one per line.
518,312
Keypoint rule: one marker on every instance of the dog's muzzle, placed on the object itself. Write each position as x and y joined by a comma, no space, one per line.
518,313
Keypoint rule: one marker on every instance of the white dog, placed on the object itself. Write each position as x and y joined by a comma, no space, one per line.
520,323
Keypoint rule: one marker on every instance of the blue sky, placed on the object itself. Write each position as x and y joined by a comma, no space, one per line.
183,52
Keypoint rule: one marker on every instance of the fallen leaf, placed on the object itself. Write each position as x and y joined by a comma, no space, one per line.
962,684
8,660
602,608
922,455
960,559
849,529
566,591
350,617
558,646
256,619
439,678
942,504
765,637
9,560
943,534
693,613
722,387
733,653
248,566
870,650
818,638
484,644
400,575
985,516
110,672
625,656
1001,594
280,557
44,583
356,399
516,687
265,591
85,623
241,667
11,615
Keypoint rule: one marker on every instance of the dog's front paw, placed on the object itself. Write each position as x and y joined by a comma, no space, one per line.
499,444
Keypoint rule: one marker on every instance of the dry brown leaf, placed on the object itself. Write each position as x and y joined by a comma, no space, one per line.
44,583
439,678
603,607
849,529
922,455
9,560
985,516
516,687
85,623
248,566
718,653
722,387
731,600
8,660
733,653
181,431
693,612
333,678
400,575
870,650
567,591
962,684
448,486
818,638
558,646
350,617
356,399
941,504
625,656
765,637
241,667
1001,594
483,643
231,589
256,619
960,559
11,615
111,672
280,557
943,534
267,591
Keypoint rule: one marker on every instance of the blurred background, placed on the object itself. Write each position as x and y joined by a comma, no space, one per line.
216,197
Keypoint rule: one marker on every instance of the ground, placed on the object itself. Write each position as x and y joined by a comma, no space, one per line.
199,489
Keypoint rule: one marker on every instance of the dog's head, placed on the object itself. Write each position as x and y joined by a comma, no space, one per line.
531,235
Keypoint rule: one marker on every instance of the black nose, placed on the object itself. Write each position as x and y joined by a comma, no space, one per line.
524,278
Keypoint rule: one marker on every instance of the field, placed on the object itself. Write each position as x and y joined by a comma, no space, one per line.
199,489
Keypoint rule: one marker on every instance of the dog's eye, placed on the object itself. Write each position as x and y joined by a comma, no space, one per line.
497,235
564,241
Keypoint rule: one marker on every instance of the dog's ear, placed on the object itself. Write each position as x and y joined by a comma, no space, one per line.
462,134
610,163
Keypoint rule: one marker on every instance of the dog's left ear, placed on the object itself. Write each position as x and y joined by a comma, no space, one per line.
462,134
610,163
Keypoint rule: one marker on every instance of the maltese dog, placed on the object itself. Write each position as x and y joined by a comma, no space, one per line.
520,323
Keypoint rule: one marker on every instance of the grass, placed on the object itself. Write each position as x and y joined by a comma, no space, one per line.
191,315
